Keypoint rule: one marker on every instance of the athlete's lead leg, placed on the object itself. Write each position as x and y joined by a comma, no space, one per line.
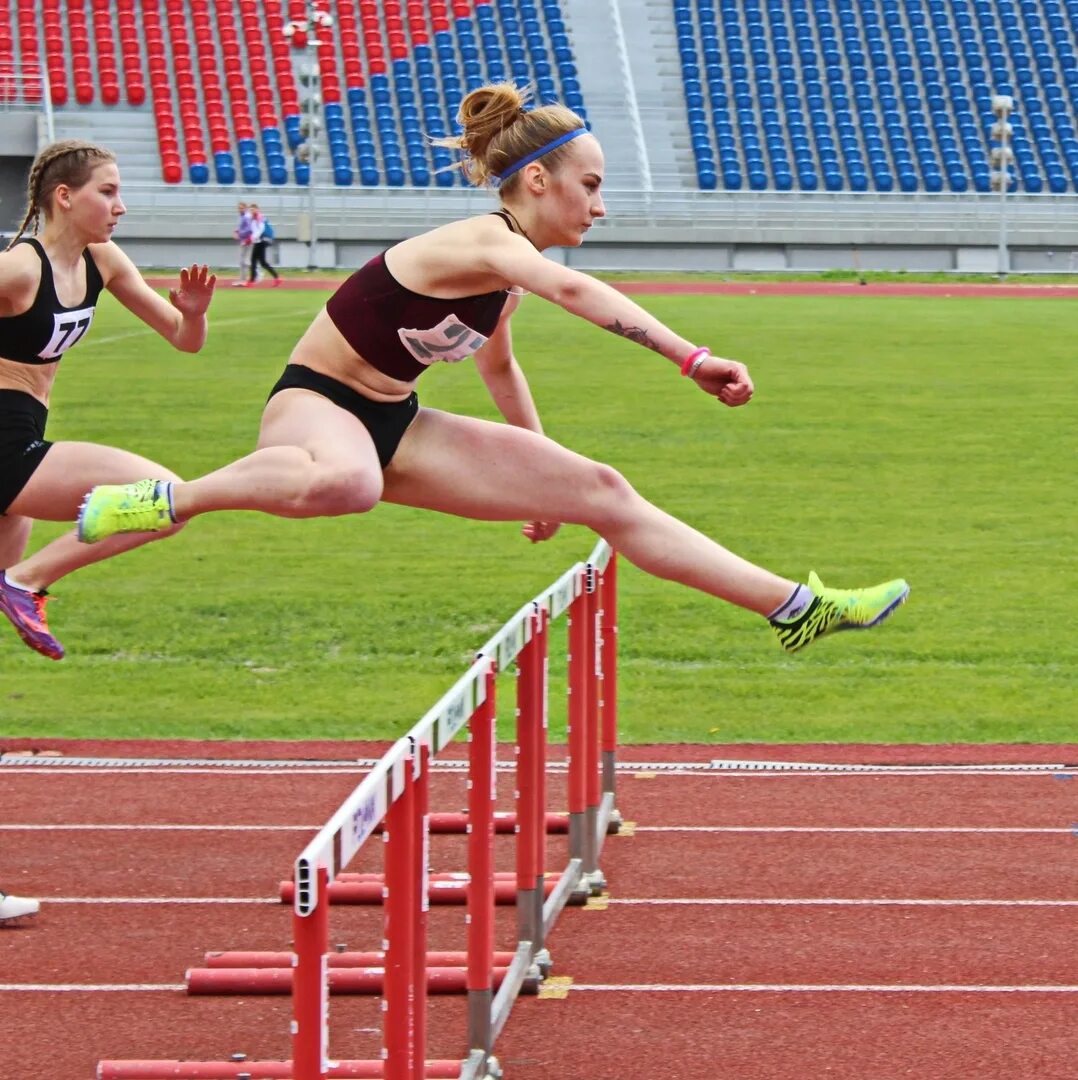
477,469
495,472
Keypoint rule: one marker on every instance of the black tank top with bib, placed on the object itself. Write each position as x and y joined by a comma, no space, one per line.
42,334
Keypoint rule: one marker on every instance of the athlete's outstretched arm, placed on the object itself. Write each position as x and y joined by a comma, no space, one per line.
517,261
180,320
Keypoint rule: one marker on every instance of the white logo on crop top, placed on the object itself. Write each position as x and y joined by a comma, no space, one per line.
69,327
450,341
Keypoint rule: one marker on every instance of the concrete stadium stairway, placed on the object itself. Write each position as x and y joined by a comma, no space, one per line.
634,94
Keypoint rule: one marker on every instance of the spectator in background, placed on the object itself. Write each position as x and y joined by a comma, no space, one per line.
242,233
262,235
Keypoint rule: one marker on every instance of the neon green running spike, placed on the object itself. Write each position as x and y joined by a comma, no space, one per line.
840,609
145,506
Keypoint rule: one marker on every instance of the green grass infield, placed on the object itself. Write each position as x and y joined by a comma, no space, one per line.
922,437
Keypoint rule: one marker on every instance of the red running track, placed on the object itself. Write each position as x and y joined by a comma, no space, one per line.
759,926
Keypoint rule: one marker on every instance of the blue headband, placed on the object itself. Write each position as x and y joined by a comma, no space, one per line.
536,154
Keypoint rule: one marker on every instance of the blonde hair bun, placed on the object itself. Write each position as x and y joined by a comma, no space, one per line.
499,128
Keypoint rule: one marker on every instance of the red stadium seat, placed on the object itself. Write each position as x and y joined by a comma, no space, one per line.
78,34
202,19
9,90
251,28
106,54
162,76
30,52
131,51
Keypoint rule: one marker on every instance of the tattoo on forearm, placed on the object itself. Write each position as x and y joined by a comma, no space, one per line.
633,333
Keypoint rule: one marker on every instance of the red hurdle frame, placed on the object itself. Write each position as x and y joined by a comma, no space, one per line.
394,798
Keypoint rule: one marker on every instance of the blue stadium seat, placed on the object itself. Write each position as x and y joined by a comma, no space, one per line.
835,95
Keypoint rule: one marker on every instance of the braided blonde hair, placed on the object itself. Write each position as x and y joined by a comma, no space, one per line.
70,162
499,131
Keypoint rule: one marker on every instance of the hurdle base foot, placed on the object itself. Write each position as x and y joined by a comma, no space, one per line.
595,882
481,1066
543,961
578,897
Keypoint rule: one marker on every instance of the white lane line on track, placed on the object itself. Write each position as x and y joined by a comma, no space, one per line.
74,770
159,900
704,829
137,332
813,988
841,829
67,988
162,828
744,764
685,901
883,771
829,901
632,988
31,766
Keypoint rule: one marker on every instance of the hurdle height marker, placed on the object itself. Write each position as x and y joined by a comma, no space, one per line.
589,599
603,559
323,858
531,755
481,799
558,599
520,640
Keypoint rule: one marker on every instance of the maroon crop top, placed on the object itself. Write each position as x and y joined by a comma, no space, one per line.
401,333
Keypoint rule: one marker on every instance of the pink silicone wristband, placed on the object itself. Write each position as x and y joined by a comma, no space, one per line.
702,351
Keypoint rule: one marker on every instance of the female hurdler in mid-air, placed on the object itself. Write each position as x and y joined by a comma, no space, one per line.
344,430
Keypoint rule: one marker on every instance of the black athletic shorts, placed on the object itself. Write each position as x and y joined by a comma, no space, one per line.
22,442
387,421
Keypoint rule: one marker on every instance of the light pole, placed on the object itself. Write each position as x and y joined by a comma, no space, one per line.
1002,156
305,35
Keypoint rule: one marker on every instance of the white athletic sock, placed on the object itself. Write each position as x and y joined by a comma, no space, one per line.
794,605
18,584
165,486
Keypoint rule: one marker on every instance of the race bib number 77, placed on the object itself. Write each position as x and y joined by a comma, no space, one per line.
68,328
450,341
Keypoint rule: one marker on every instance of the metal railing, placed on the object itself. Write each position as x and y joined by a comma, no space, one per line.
357,212
24,88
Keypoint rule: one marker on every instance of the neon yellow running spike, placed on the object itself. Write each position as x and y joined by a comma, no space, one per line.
145,506
840,609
